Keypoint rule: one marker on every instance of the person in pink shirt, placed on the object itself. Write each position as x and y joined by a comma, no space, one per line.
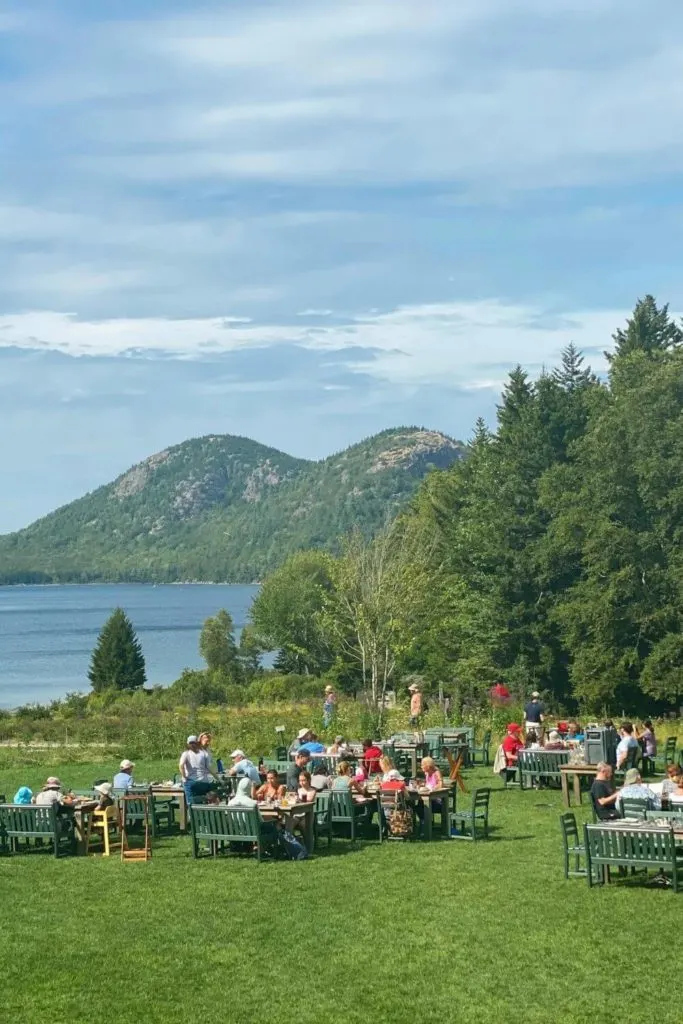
433,778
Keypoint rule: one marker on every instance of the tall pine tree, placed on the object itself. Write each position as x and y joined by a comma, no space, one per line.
117,662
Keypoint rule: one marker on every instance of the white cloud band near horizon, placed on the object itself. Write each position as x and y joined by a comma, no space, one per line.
471,344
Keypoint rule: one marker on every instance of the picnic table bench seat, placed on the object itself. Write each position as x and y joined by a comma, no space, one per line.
540,765
26,822
217,826
645,848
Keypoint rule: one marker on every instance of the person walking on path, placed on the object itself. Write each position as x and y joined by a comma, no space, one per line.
329,706
415,705
534,713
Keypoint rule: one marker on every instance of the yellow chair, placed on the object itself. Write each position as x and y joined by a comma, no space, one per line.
106,821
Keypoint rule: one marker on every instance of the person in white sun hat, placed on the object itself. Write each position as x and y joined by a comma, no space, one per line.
124,778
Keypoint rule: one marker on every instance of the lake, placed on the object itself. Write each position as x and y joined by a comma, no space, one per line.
47,633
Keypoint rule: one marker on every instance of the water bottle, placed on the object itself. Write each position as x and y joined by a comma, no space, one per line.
219,766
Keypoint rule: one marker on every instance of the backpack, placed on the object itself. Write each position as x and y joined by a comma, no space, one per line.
290,846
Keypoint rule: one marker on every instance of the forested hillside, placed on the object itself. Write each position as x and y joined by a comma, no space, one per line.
223,508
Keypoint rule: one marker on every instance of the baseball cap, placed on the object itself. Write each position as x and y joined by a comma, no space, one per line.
237,753
192,739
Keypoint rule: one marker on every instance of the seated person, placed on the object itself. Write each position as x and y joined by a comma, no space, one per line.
512,744
345,782
575,732
603,793
23,795
634,789
555,741
271,788
532,742
393,782
676,797
124,778
51,793
340,746
387,767
371,757
313,745
305,792
433,778
320,779
104,797
244,797
670,783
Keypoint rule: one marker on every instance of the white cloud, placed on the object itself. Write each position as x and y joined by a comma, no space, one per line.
471,344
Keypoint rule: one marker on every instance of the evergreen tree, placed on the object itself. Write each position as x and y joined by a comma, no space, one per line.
650,329
217,645
572,375
117,662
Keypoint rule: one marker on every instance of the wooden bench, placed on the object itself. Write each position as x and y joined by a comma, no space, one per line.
617,846
218,825
540,765
24,822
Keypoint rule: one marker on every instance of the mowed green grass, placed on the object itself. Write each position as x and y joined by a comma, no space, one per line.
405,932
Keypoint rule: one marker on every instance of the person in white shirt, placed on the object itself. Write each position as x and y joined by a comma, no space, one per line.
124,778
626,744
195,770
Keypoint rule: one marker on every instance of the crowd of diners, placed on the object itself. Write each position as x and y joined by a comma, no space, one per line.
568,735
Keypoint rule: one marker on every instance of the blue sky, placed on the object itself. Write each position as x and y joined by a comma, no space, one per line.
305,221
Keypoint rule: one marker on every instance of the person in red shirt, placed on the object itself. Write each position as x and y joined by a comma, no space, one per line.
371,756
512,744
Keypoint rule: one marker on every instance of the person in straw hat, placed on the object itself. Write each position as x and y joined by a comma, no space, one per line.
51,793
329,705
415,704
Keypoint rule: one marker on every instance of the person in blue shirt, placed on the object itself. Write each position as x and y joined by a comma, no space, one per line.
124,778
313,746
243,767
627,743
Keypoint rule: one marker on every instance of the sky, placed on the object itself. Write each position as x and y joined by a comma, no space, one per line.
305,222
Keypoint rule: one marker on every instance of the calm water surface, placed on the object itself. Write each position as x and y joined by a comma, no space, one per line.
47,633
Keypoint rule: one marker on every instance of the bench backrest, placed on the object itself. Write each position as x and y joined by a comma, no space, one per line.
341,804
28,820
675,815
542,762
227,823
630,845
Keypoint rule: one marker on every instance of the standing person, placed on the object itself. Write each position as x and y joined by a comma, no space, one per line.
626,744
205,744
124,778
301,737
534,715
194,771
647,740
329,705
415,705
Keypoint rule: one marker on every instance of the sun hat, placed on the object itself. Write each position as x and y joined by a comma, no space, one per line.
413,686
394,776
126,764
192,739
104,788
329,689
237,753
535,694
301,733
23,795
53,783
631,777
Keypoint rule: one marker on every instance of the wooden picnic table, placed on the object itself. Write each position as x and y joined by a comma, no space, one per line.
427,798
578,771
420,748
175,793
305,811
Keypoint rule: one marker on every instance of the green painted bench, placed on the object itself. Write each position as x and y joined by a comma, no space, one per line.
218,825
540,766
25,822
644,848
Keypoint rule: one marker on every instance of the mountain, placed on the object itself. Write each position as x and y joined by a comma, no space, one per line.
223,508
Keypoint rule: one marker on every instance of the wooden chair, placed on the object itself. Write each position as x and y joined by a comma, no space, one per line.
135,809
572,845
478,816
323,817
668,755
344,811
483,751
632,807
103,824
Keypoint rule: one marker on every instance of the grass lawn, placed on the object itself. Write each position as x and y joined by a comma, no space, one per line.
404,932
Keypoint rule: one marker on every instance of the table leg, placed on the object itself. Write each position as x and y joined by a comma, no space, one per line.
427,804
309,835
446,816
413,758
182,811
577,787
565,789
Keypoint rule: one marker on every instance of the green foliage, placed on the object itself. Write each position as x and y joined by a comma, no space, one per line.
117,662
225,509
217,646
